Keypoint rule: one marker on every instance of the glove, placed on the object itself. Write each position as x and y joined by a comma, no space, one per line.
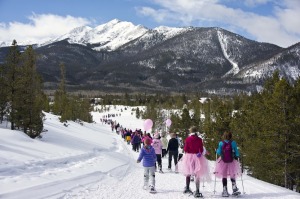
199,155
237,158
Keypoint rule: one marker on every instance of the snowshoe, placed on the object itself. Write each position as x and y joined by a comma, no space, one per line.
197,194
235,190
152,189
237,193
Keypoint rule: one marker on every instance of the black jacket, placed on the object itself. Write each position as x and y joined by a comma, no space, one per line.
173,145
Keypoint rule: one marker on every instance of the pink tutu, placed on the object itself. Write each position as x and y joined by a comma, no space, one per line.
223,170
190,164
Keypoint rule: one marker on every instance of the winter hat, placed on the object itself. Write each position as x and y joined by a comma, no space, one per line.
156,135
147,141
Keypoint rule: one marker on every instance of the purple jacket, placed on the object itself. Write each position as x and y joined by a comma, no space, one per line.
148,156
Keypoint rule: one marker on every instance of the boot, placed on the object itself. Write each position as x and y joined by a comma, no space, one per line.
152,189
225,192
187,190
235,190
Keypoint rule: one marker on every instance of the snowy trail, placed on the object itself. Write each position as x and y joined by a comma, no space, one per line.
91,162
170,185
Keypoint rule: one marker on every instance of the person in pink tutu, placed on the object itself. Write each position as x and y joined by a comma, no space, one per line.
193,162
227,164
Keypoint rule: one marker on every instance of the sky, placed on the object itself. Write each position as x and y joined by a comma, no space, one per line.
93,162
272,21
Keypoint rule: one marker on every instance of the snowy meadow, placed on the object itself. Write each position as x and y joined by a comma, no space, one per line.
91,161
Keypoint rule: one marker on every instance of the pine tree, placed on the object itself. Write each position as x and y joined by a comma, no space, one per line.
137,113
3,94
29,101
60,98
294,140
10,76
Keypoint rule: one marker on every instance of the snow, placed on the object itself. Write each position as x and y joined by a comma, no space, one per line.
170,32
109,36
90,161
223,42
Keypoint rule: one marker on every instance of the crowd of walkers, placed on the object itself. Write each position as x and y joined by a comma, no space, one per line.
188,157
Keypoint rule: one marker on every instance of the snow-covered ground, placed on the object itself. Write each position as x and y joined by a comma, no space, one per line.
90,161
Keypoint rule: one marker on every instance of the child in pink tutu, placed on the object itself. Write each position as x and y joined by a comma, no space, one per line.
228,164
193,162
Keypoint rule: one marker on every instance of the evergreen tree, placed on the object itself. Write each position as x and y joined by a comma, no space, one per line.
137,113
10,77
185,122
60,98
3,94
29,101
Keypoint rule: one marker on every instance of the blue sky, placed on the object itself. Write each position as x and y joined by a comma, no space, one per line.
273,21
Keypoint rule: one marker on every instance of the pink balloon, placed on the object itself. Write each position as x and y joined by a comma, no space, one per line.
148,124
168,122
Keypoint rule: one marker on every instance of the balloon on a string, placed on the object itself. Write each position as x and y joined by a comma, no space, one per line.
168,122
148,124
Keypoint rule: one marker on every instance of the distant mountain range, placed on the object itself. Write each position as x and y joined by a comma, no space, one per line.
121,57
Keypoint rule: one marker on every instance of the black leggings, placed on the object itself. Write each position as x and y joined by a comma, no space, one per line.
224,181
158,159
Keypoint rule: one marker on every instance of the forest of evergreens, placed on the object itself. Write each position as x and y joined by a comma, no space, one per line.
22,100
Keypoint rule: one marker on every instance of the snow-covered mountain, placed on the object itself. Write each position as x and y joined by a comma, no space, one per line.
162,59
108,36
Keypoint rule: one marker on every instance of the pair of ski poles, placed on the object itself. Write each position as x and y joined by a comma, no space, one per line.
216,176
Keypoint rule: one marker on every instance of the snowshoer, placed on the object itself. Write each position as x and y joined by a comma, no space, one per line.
193,162
147,154
157,145
228,164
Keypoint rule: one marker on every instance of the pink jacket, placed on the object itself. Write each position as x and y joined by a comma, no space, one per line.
157,145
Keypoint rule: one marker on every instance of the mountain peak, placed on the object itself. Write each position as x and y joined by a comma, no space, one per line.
114,21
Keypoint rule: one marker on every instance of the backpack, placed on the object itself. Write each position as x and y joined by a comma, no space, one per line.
227,152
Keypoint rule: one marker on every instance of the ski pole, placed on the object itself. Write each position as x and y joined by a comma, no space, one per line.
243,184
242,178
215,173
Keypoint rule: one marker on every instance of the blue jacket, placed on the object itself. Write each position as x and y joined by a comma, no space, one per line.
136,139
233,145
148,156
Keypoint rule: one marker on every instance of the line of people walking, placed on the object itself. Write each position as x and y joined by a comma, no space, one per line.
188,158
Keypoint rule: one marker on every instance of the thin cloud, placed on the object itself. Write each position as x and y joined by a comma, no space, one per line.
40,28
253,3
282,28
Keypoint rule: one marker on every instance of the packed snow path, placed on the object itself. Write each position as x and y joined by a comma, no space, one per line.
92,162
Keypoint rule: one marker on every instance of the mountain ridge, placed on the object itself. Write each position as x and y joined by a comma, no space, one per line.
119,56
